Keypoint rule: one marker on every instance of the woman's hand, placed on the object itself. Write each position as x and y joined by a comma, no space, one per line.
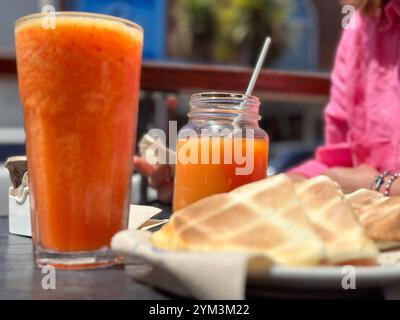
352,179
296,177
159,177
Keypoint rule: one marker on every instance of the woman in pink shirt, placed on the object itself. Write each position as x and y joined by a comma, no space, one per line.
362,130
362,119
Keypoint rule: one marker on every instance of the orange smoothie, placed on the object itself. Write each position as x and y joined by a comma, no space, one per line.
204,176
79,85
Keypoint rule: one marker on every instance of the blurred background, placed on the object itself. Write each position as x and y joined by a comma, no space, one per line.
208,32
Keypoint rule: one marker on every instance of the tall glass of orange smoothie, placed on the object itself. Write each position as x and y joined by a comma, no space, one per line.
79,84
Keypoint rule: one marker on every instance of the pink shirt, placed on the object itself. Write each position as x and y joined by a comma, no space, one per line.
362,119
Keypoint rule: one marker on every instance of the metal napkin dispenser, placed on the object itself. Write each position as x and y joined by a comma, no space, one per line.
18,196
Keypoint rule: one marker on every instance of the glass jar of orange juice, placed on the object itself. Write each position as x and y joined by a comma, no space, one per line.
221,148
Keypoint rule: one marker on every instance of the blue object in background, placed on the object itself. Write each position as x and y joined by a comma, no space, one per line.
151,15
303,53
10,150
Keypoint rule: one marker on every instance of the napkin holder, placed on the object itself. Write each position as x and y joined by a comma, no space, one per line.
18,197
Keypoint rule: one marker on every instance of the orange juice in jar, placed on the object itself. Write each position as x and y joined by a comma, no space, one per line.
221,148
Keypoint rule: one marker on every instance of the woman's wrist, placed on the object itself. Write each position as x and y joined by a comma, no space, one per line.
379,181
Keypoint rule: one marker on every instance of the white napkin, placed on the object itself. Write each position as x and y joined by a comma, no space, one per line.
202,276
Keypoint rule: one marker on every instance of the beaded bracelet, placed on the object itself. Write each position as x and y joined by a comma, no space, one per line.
389,183
379,181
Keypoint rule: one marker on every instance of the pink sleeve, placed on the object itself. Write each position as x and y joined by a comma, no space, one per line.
336,151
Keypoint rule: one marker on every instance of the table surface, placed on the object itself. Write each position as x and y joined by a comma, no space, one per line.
21,279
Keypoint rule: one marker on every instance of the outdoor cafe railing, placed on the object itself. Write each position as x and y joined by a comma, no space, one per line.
177,77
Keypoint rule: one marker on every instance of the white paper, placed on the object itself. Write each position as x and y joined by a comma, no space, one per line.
20,217
203,276
140,218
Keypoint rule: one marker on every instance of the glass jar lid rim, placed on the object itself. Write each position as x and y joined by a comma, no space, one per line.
224,95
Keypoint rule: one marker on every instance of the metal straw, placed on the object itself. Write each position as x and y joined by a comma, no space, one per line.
259,65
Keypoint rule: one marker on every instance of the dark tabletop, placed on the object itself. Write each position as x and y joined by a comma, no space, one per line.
21,279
